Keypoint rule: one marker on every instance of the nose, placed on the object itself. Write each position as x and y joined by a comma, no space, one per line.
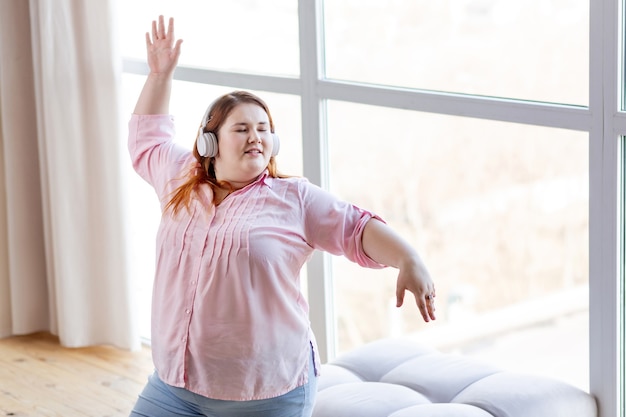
254,136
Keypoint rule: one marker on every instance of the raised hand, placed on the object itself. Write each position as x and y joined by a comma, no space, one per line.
163,53
163,50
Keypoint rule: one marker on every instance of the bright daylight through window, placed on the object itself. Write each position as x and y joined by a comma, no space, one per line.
500,215
501,218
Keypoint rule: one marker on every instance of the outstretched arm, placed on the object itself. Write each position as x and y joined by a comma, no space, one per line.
163,52
385,246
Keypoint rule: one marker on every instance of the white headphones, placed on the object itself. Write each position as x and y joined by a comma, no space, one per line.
206,142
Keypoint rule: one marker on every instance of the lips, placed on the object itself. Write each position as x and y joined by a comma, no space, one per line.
253,151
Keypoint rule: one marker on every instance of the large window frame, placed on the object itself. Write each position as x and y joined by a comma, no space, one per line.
604,120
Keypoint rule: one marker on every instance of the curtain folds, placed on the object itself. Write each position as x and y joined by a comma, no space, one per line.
62,253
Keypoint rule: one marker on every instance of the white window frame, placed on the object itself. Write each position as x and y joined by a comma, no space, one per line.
603,120
607,125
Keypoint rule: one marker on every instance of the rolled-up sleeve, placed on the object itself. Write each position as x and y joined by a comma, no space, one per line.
335,226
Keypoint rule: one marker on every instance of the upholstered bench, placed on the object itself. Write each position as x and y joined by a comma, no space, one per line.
399,378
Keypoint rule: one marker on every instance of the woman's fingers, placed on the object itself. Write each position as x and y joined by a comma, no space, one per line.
159,32
426,306
424,298
399,295
154,30
161,27
177,48
430,305
170,29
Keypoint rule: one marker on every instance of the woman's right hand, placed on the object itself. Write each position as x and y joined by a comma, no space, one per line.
163,52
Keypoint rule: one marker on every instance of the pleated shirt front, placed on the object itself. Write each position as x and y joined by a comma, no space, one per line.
228,318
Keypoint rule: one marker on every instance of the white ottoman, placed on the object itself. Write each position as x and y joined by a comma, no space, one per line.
398,378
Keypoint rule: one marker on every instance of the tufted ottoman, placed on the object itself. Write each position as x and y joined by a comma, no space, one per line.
399,378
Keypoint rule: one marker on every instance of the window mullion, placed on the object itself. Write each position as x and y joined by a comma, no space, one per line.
315,166
604,309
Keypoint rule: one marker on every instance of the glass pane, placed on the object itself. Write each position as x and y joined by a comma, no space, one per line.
243,36
534,49
188,104
499,212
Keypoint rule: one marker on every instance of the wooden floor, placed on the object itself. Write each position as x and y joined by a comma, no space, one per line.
38,377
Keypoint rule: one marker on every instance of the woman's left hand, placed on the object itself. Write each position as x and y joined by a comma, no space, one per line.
414,277
386,247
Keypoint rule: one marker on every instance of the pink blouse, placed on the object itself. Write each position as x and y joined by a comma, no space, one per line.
228,319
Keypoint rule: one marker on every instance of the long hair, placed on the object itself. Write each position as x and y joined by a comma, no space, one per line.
216,115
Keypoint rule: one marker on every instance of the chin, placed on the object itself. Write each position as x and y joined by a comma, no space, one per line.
251,174
255,170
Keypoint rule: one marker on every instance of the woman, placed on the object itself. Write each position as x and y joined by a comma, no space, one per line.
230,328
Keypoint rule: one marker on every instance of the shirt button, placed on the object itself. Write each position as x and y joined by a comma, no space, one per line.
187,311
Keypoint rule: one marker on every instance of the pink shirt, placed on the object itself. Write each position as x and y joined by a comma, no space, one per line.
228,319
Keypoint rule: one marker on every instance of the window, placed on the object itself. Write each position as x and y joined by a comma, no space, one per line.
501,219
242,36
534,50
496,125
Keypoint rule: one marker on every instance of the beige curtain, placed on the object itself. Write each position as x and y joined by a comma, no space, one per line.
62,251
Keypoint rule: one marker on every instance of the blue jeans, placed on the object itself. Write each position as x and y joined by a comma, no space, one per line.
161,400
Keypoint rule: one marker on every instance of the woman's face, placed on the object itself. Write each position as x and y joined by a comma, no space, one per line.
244,145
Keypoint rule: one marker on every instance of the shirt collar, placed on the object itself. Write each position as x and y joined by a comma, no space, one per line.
265,178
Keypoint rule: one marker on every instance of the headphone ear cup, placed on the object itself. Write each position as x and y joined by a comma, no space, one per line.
207,144
276,147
